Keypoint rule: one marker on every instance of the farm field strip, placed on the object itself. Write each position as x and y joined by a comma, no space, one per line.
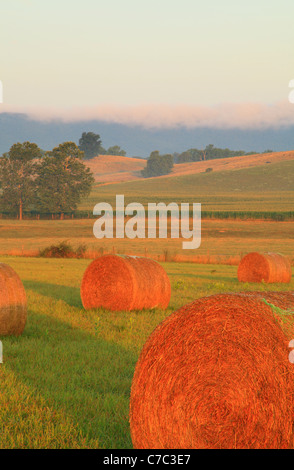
219,237
259,188
111,168
266,201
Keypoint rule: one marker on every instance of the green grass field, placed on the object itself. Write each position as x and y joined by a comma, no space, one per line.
266,188
65,383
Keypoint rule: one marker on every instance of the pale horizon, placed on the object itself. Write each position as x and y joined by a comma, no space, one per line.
154,64
225,116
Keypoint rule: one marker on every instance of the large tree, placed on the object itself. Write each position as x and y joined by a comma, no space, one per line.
91,144
63,179
18,172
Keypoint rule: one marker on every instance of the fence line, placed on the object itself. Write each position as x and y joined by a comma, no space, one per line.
218,215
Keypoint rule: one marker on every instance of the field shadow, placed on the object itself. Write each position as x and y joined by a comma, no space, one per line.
213,275
70,295
81,374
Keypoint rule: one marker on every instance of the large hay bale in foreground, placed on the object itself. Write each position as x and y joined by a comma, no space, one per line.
13,303
215,374
121,283
267,267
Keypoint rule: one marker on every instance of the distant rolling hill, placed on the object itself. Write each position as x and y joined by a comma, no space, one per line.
109,168
232,163
261,187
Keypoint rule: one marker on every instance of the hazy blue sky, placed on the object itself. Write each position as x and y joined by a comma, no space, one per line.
64,53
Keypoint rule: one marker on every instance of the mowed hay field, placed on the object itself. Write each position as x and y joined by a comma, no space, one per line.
65,383
221,239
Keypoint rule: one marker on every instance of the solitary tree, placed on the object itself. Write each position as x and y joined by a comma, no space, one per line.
158,165
90,144
63,179
18,172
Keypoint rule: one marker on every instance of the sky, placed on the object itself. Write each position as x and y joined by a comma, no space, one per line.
154,62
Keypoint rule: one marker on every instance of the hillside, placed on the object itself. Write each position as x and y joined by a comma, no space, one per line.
234,163
109,168
267,187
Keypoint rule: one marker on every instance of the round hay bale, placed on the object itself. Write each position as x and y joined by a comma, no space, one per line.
13,303
124,283
267,267
214,375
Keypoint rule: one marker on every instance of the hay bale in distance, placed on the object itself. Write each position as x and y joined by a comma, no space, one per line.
13,303
267,267
122,283
215,374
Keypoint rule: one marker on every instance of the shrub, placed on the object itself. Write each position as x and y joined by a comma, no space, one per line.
63,250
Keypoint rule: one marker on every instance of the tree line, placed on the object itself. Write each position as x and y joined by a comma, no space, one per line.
158,165
210,152
52,182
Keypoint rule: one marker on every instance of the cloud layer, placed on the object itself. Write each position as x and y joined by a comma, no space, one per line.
223,116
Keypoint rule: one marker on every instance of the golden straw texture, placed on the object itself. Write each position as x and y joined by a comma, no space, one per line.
122,283
267,267
13,303
216,375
